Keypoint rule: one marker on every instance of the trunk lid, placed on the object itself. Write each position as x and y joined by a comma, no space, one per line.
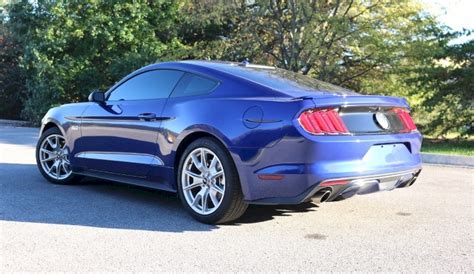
366,114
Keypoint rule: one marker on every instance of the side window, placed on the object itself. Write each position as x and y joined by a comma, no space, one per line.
192,84
153,84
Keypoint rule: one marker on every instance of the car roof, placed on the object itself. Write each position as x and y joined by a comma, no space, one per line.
285,82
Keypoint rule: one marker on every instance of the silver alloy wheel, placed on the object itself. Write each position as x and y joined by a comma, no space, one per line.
54,157
203,181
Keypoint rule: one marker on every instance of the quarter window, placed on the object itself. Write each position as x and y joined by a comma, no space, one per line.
192,84
155,84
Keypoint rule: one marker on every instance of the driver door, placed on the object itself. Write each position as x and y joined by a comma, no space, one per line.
120,135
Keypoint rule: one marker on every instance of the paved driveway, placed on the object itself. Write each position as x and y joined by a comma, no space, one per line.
101,226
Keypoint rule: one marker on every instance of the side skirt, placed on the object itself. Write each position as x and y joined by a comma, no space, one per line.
123,179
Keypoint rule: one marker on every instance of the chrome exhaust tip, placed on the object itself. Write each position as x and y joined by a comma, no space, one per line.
321,196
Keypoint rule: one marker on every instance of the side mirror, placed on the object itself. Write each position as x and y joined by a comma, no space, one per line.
97,96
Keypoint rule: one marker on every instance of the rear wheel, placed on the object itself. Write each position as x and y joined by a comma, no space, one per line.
208,183
52,157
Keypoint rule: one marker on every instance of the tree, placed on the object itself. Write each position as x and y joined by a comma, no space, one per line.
447,103
336,41
71,47
374,47
12,81
63,49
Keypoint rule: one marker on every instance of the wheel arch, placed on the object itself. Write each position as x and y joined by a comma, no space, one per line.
191,137
51,124
48,126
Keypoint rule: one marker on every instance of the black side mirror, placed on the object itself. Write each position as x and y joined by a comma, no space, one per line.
97,96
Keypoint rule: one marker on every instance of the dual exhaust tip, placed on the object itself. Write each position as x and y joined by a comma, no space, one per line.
363,187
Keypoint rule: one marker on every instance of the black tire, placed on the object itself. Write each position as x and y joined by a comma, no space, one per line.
233,205
72,178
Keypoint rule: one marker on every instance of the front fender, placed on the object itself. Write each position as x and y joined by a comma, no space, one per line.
68,119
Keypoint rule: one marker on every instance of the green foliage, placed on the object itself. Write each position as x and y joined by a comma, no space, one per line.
454,146
72,47
447,96
60,50
12,82
375,47
337,41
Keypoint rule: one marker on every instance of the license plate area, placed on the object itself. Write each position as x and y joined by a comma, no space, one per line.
385,154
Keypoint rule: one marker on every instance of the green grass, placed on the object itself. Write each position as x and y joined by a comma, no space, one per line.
450,146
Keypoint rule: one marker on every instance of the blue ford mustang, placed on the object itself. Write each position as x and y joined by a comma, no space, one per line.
224,135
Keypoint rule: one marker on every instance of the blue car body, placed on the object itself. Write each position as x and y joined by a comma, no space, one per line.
277,160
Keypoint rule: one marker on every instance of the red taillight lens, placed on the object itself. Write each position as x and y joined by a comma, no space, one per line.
405,118
334,183
322,121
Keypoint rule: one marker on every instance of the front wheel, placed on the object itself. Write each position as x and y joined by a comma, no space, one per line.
208,184
52,157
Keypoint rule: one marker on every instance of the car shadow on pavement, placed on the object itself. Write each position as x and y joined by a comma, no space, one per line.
26,196
261,213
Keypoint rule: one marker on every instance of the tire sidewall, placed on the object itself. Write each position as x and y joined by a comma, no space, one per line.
230,179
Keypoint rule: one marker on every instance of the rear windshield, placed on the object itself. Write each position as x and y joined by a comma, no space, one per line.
284,80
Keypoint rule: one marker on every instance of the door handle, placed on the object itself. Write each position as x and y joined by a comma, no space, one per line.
147,116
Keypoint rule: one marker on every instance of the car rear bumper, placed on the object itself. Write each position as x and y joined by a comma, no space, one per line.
296,169
343,188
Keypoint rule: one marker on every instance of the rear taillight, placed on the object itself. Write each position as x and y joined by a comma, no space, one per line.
322,121
406,119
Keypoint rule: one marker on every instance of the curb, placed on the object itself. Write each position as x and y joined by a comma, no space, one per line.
442,159
14,123
428,158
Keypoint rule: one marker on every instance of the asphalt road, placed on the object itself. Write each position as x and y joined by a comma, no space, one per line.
101,226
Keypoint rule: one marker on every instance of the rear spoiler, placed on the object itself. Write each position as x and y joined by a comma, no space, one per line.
361,100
